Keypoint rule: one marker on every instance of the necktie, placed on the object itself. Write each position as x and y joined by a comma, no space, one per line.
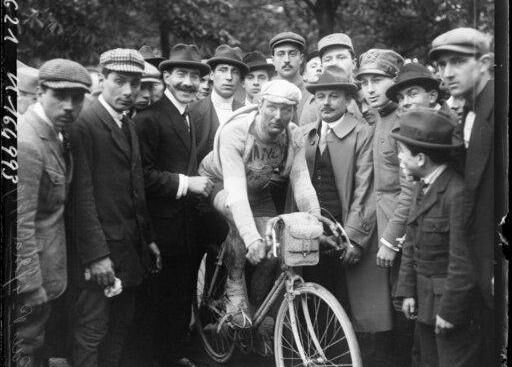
66,145
421,193
322,144
186,118
125,128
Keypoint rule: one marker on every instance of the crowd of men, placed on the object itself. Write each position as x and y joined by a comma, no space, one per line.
122,168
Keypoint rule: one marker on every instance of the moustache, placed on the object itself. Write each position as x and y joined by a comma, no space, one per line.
186,89
326,109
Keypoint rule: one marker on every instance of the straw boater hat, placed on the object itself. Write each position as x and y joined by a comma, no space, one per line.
224,54
186,56
64,74
426,128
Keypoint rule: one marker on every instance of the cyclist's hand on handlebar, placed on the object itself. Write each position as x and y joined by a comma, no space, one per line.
330,247
256,251
353,254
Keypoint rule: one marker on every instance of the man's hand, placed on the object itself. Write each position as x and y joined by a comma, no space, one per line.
385,257
353,254
442,326
200,185
153,248
329,246
409,308
256,252
35,298
102,271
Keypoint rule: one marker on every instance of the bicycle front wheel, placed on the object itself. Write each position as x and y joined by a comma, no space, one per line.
312,329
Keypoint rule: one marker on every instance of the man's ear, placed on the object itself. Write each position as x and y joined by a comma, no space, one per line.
39,91
422,159
434,95
487,61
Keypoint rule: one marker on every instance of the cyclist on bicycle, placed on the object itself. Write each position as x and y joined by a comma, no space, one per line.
256,145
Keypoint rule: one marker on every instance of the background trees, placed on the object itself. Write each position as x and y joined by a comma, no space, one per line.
82,29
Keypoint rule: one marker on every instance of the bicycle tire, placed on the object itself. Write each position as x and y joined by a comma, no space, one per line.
318,299
218,346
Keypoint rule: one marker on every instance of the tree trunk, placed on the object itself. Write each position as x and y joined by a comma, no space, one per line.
325,11
164,38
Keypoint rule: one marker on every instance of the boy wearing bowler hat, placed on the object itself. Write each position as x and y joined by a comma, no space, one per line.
260,72
436,279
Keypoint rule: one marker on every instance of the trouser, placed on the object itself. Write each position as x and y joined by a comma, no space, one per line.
30,324
100,327
459,347
402,339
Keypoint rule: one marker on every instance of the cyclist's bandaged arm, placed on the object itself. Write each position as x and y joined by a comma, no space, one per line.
231,147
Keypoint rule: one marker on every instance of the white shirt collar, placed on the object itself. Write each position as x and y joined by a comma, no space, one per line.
221,102
115,115
432,176
332,125
180,106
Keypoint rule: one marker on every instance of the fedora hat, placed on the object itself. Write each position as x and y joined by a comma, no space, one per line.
426,128
256,61
411,74
186,56
225,54
149,56
333,78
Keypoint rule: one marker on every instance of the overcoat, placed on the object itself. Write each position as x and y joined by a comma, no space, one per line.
44,178
108,211
350,151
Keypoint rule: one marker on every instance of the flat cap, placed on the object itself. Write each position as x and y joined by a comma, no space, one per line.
150,74
281,91
380,62
64,74
462,40
334,39
27,79
287,37
411,74
123,60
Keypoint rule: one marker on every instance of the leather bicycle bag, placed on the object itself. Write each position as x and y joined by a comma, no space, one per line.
298,236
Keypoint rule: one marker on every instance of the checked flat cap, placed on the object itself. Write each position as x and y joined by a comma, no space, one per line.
64,74
123,60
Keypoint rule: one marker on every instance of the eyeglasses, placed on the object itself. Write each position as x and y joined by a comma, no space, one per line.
292,54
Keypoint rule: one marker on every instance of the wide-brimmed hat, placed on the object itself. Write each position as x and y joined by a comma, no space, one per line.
332,78
287,37
225,54
123,60
257,61
380,62
281,91
186,56
468,41
334,40
426,128
149,56
411,74
64,74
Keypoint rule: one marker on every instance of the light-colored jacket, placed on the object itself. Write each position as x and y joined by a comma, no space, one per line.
42,190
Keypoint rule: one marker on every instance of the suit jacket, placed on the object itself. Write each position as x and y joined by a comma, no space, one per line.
42,190
367,285
205,120
109,210
436,266
485,179
168,149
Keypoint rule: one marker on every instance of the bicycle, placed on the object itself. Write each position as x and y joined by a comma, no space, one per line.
311,327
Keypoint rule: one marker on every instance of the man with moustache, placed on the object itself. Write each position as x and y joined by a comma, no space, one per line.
169,160
465,61
111,236
377,70
260,72
45,171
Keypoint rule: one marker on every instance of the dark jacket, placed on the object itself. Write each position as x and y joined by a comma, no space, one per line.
168,149
436,266
205,120
108,211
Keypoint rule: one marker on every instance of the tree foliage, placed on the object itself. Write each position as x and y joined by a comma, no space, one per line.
82,29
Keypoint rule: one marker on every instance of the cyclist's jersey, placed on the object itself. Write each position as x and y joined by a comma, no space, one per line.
246,165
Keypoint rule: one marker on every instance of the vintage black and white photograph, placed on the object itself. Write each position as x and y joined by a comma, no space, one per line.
254,183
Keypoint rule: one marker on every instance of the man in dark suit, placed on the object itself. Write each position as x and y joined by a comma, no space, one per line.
45,172
111,232
169,160
465,63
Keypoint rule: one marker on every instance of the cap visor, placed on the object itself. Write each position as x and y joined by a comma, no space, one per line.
221,60
65,85
124,68
373,72
467,50
150,80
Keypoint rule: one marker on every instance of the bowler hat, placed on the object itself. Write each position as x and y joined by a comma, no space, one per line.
64,74
149,56
123,60
333,78
187,56
287,37
334,39
256,61
225,54
380,62
427,128
462,40
411,74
